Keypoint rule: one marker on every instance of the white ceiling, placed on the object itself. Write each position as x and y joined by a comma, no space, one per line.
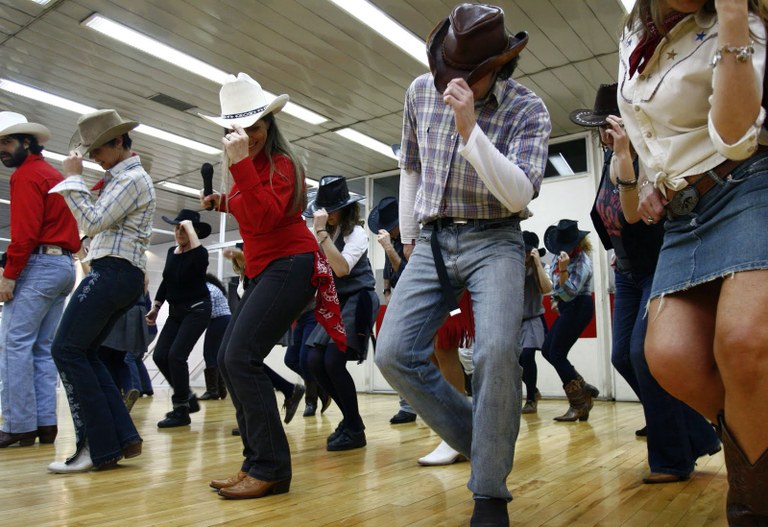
321,56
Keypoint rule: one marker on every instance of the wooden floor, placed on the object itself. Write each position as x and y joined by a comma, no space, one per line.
565,474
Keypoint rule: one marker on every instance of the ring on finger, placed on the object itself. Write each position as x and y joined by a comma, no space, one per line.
650,219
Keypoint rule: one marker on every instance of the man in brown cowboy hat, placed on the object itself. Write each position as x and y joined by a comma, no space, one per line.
118,219
36,279
473,154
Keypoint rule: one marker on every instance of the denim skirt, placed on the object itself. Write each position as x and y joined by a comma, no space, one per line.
725,233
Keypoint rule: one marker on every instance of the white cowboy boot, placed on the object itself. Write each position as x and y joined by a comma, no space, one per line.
442,455
81,463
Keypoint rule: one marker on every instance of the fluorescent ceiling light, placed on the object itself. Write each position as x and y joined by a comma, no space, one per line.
164,52
6,201
42,2
628,4
311,183
162,231
366,141
60,157
381,23
181,188
66,104
561,165
45,97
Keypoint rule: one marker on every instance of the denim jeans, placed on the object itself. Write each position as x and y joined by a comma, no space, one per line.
489,262
296,355
27,371
186,322
574,317
677,435
97,408
213,336
272,301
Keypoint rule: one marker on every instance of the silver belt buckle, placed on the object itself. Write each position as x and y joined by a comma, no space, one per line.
52,250
460,221
684,201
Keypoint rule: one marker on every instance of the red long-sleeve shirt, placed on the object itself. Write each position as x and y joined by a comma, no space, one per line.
268,230
37,218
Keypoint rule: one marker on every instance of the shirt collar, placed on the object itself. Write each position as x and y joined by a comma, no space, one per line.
123,166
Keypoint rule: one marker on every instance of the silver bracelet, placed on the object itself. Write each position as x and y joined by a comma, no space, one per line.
743,53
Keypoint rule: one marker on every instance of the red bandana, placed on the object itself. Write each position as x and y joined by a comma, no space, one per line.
327,310
648,44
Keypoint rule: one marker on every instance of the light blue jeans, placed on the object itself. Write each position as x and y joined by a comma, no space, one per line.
27,371
488,260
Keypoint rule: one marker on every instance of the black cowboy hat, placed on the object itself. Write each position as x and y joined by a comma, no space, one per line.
532,242
201,228
563,237
605,104
384,215
470,43
332,194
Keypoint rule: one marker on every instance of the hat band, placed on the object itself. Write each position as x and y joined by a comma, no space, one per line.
243,114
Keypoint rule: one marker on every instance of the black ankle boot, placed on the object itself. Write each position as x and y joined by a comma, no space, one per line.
211,384
178,417
490,512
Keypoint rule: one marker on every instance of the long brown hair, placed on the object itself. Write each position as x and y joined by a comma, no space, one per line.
645,9
349,216
276,143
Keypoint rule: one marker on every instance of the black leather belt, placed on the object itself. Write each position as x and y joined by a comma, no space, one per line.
52,250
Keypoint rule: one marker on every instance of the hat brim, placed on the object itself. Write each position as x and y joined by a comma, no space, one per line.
38,130
443,73
553,246
202,229
312,205
244,122
76,142
375,226
587,117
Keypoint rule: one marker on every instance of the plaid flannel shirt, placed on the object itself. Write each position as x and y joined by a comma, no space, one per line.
513,118
119,220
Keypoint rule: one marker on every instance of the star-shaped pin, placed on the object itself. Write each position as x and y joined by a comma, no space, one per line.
671,55
700,36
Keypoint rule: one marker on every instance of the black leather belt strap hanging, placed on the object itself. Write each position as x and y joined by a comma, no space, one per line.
442,274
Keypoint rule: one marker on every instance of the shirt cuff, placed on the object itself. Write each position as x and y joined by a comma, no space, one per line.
745,146
72,183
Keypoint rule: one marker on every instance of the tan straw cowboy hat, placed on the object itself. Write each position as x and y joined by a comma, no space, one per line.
97,128
243,102
15,123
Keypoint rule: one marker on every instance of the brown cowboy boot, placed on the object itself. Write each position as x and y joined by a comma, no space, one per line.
580,401
746,505
211,384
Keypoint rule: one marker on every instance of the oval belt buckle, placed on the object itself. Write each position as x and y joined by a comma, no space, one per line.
684,201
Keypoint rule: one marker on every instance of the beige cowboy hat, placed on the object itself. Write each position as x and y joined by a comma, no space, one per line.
97,128
470,43
15,123
243,102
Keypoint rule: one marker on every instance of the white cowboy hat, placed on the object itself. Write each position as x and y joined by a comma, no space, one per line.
97,128
15,123
243,102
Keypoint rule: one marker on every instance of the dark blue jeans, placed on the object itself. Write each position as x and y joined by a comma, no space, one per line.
185,323
296,355
272,301
677,434
98,411
574,317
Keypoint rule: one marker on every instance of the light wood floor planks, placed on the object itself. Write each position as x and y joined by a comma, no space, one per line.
565,474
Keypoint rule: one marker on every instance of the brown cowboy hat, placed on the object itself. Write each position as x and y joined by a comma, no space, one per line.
470,43
605,104
97,128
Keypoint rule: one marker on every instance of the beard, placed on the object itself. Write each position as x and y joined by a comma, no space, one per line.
16,158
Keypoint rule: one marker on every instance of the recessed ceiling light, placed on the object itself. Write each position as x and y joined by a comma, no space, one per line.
381,23
367,141
164,52
60,102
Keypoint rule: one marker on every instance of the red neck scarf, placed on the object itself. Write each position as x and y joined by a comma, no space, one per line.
327,309
648,44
